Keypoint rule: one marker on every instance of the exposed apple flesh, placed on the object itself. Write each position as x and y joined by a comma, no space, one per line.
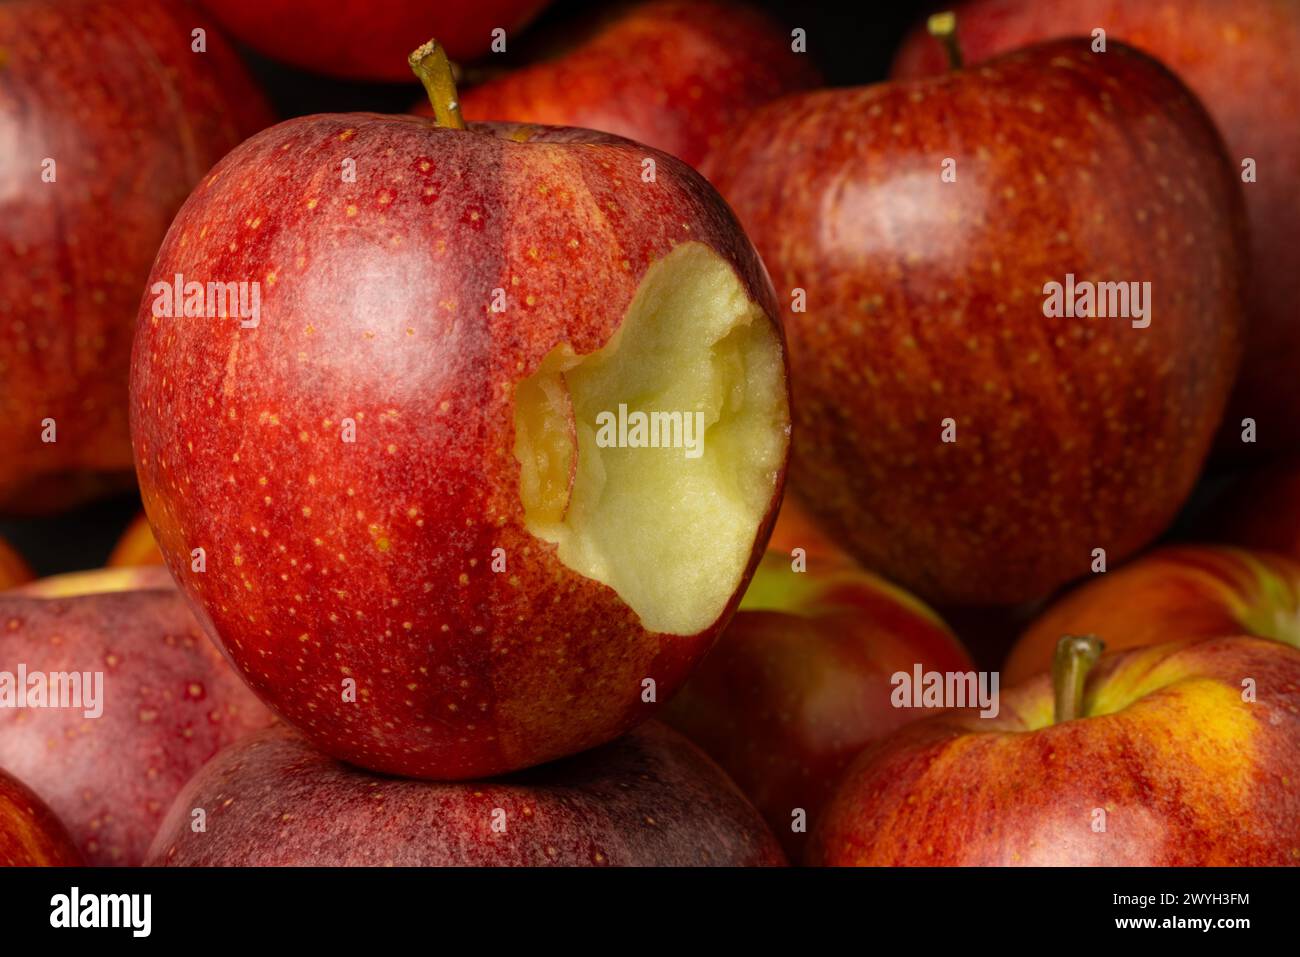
671,533
96,581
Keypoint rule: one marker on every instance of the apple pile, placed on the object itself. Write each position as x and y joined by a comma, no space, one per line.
461,438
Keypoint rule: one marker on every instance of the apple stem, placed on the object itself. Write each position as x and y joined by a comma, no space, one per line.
431,65
943,27
1075,655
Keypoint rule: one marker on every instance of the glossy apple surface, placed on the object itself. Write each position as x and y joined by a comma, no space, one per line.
416,549
1240,59
169,702
1191,591
364,39
30,833
672,74
136,547
925,310
800,682
649,799
110,93
1167,766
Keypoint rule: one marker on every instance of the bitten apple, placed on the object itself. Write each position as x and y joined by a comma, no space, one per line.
801,681
649,799
956,430
155,700
413,503
1240,58
1193,591
31,835
673,74
366,40
108,117
1181,754
95,581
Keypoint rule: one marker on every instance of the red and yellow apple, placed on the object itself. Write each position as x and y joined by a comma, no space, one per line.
949,432
673,74
1240,58
95,581
801,681
398,501
31,835
136,547
649,799
155,701
108,118
1194,591
365,39
1180,754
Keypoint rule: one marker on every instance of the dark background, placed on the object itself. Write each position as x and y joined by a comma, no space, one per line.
852,43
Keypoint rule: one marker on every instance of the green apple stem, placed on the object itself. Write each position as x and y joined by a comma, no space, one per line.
431,65
1075,655
943,27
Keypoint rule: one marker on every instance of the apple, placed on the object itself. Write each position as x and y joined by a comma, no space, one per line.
411,503
1240,59
156,701
13,570
136,547
95,581
30,833
673,74
1193,591
801,681
365,40
949,433
1261,509
107,119
1180,754
795,529
649,799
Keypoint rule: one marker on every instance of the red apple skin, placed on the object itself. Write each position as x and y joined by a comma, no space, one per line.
672,74
132,120
170,702
1188,773
372,561
31,835
13,570
649,799
1240,59
136,547
1260,510
1193,591
925,302
799,682
364,40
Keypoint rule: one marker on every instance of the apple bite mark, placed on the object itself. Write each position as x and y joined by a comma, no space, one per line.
670,528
